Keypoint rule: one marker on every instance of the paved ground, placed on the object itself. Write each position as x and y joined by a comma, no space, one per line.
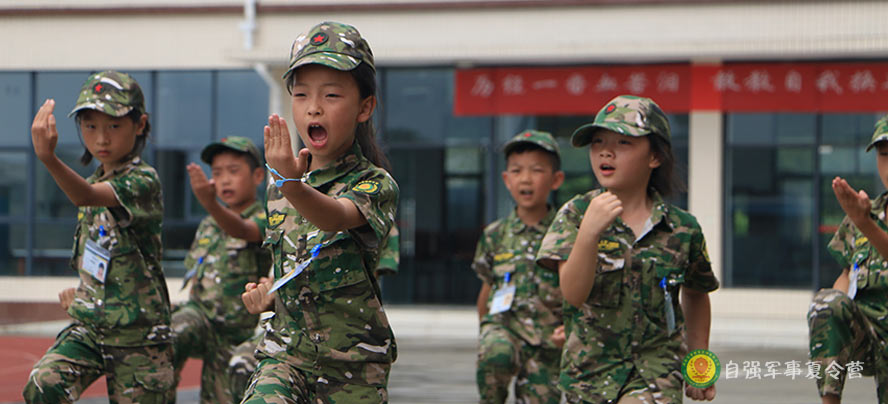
437,360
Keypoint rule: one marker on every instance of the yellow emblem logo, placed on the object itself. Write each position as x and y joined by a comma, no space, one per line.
607,245
502,256
204,241
700,368
275,219
79,216
367,187
859,242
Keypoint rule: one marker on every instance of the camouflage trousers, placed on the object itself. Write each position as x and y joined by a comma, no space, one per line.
196,337
142,374
242,365
280,383
637,390
840,333
503,355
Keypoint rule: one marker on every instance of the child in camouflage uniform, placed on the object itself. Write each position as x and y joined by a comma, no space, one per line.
624,256
226,255
517,337
243,361
121,308
329,211
847,323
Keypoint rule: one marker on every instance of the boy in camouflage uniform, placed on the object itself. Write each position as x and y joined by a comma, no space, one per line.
624,255
517,337
226,255
121,308
243,361
847,323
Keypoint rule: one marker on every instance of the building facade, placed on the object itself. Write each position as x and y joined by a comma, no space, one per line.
768,102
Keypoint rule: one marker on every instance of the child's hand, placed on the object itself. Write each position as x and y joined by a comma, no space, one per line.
204,190
602,211
707,394
279,153
66,297
256,296
558,336
43,131
855,204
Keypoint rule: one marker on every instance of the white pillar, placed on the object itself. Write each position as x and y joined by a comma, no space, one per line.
706,180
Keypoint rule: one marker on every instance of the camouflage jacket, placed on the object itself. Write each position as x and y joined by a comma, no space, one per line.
390,255
329,319
849,247
510,246
224,264
132,307
622,324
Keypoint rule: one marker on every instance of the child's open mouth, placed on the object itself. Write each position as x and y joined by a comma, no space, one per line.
606,169
317,134
525,192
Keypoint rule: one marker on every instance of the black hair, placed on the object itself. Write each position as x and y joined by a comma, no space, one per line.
138,146
663,178
251,161
365,133
524,147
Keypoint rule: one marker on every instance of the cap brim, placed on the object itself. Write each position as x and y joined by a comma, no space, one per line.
583,135
93,106
881,138
338,61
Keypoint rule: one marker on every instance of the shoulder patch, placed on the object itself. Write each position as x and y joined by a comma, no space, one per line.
367,186
276,219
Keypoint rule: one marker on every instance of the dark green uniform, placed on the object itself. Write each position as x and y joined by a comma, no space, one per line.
121,326
214,320
618,341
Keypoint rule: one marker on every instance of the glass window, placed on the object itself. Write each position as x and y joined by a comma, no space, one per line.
15,109
178,125
13,184
50,201
64,88
241,105
13,254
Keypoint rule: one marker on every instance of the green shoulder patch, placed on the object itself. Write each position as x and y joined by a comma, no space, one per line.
367,187
276,219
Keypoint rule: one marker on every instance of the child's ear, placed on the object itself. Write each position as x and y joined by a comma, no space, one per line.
655,161
368,105
557,180
143,122
258,176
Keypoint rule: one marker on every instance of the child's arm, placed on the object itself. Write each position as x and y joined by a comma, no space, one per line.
483,295
325,212
231,222
698,317
45,137
857,206
843,281
577,273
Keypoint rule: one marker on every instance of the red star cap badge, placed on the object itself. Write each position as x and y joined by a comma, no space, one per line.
319,39
97,88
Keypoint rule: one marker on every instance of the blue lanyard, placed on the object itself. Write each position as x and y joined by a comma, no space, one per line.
279,183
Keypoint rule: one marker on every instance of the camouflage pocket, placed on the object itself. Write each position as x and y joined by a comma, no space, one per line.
608,285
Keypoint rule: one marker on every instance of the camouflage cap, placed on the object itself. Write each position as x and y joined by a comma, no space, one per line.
236,143
628,115
111,92
332,44
542,139
880,133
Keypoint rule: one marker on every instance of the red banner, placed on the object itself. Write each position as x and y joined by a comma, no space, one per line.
733,87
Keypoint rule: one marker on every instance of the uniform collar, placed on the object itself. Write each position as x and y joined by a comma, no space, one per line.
659,210
518,226
101,175
337,168
878,206
250,210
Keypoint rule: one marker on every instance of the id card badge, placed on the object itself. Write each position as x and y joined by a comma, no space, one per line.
502,299
191,273
852,281
295,272
669,310
95,260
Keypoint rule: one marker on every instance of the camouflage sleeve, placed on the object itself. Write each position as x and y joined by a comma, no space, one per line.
841,247
390,254
376,197
261,220
482,263
561,236
699,275
138,192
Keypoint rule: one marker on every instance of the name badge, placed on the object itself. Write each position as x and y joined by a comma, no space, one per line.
95,260
852,281
191,273
295,272
502,299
